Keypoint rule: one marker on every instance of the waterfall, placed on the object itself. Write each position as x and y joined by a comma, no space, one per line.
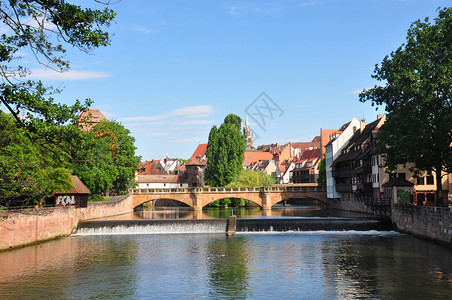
296,224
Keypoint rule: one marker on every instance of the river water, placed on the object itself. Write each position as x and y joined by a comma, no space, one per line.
306,265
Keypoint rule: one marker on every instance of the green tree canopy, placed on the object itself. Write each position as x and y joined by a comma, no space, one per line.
43,29
417,98
322,172
107,161
28,173
225,152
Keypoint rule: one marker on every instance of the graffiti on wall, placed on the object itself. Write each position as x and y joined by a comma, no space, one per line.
65,200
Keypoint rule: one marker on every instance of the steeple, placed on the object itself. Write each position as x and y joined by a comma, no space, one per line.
247,134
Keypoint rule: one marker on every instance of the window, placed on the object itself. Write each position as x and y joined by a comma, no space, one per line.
401,175
392,175
430,197
420,181
430,180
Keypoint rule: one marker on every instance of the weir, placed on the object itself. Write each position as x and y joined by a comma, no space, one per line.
221,225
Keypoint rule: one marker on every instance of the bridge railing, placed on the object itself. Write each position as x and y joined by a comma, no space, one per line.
287,189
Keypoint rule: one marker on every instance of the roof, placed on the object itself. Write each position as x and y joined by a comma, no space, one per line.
306,145
79,187
255,156
152,167
197,161
89,118
200,151
160,179
397,181
310,154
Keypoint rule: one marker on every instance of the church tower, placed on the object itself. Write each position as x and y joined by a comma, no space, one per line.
247,134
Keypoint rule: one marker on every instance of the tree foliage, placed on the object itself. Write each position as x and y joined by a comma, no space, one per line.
225,152
43,29
28,173
252,178
322,172
107,160
417,98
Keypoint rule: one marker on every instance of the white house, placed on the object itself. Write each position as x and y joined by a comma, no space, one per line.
332,151
161,181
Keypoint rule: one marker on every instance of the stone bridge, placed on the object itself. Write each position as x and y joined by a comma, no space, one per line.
197,198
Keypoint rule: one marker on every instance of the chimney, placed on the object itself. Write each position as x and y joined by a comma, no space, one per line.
362,124
378,116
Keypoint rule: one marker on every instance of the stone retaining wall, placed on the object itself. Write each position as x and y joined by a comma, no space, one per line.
350,205
27,226
433,223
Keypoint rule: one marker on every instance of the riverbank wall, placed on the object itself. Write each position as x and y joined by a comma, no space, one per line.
27,226
349,205
431,223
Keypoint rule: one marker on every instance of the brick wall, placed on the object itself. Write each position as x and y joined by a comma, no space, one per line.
434,223
23,227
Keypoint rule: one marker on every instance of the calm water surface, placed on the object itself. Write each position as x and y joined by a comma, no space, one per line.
319,265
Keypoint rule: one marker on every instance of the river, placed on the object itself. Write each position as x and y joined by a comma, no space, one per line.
309,265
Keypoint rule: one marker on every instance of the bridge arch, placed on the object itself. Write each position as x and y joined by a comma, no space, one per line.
214,197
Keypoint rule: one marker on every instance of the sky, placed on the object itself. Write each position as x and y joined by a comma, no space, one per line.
176,68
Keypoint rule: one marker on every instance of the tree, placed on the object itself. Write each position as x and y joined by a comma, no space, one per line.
107,160
322,172
28,173
417,98
225,152
42,28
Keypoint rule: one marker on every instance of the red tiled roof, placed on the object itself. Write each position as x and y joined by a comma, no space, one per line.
255,156
196,161
306,145
200,151
310,154
150,167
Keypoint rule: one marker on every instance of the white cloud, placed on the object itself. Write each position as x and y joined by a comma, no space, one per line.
196,122
357,92
311,3
144,30
244,8
193,112
158,133
50,74
188,140
142,118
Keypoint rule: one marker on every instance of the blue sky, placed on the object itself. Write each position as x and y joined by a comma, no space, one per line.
175,68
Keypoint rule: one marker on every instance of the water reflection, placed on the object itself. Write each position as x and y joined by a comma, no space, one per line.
227,264
341,265
75,268
162,213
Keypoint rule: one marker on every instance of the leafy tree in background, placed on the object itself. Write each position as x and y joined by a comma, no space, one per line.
322,172
43,29
28,173
107,159
417,97
225,152
252,178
